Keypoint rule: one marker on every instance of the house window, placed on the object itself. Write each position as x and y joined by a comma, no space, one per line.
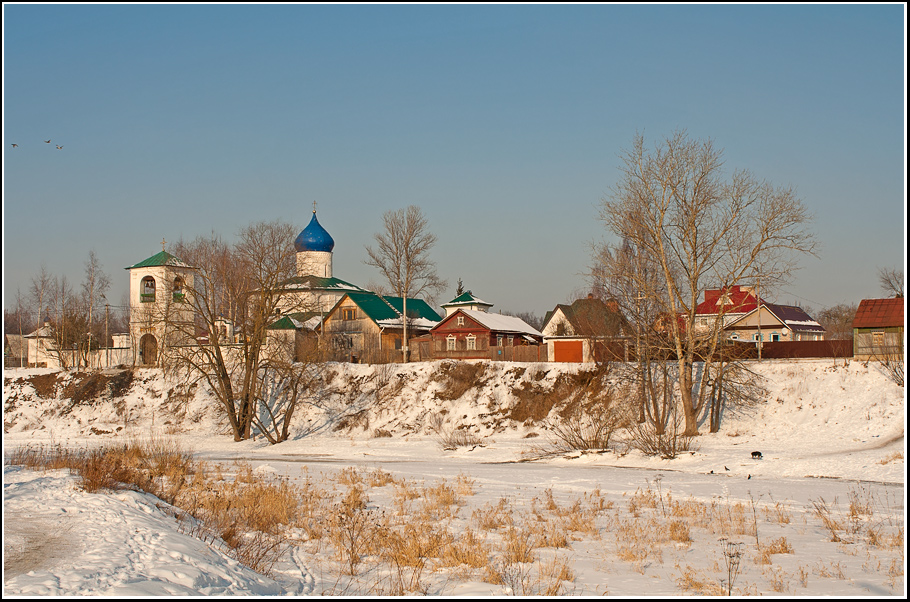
349,314
775,337
757,337
734,337
472,342
511,341
499,340
450,343
147,290
878,338
179,295
460,320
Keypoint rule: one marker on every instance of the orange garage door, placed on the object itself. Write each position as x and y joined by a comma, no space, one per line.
567,351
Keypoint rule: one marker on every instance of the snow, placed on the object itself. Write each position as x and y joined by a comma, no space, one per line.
828,430
417,323
500,322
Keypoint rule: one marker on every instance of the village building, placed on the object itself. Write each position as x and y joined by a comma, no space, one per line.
159,307
470,332
586,330
466,300
315,290
878,329
746,317
368,327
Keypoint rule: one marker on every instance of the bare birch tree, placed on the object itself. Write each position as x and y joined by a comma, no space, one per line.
702,229
402,255
94,287
244,280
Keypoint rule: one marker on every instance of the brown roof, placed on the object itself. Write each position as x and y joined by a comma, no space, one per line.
879,313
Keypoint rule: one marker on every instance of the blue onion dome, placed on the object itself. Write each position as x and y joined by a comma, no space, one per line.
314,238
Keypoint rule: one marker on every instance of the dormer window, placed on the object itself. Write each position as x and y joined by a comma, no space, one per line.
349,314
147,290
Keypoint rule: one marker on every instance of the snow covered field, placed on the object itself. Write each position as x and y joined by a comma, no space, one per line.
831,435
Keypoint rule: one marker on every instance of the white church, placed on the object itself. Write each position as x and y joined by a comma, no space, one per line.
159,283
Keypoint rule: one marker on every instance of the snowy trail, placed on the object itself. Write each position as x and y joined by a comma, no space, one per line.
116,544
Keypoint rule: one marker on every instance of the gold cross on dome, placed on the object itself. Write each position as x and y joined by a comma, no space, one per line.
314,206
162,243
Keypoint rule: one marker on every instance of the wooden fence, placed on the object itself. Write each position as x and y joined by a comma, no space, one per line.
838,348
519,353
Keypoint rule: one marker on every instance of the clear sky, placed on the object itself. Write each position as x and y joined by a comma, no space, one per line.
504,123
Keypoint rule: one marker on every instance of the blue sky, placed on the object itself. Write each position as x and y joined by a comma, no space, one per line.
503,123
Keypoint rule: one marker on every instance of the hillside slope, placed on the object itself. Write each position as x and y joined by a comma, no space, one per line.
818,418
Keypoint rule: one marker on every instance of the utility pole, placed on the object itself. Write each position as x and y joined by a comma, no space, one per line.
404,322
758,299
107,344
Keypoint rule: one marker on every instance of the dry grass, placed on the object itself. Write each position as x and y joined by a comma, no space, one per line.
690,580
894,457
780,513
492,517
457,378
419,541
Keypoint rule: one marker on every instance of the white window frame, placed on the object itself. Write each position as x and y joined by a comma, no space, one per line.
471,341
450,342
460,321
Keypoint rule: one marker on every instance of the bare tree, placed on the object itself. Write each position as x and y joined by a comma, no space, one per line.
402,255
21,322
701,229
632,280
94,287
891,281
40,291
245,281
289,383
837,320
66,323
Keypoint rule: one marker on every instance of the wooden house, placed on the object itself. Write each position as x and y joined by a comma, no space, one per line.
878,329
584,330
476,334
366,327
747,317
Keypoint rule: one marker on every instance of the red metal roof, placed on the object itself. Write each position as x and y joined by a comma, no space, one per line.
879,313
736,299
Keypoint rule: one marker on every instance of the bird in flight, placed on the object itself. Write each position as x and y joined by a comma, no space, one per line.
15,146
59,147
47,141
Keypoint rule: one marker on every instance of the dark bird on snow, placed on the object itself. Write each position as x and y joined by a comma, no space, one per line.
15,146
725,468
712,472
749,477
59,147
47,141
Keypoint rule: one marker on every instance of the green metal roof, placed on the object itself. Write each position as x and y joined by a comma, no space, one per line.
159,259
375,307
417,307
292,321
467,298
320,283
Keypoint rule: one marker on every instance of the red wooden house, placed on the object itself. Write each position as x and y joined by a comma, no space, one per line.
474,334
